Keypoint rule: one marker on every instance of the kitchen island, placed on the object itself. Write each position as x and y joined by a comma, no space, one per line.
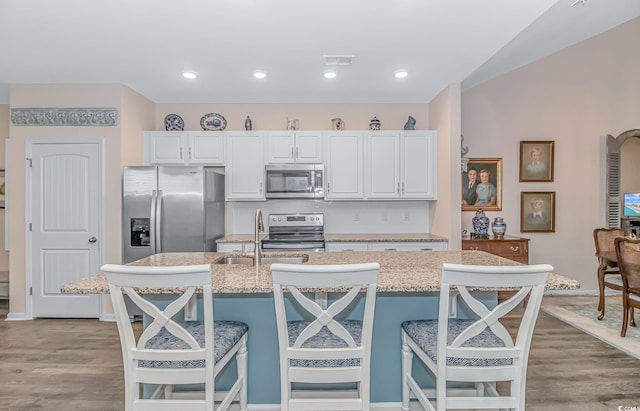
408,287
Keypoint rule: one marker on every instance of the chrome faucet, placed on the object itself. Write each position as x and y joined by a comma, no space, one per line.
257,229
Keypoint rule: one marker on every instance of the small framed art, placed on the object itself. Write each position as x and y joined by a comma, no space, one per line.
538,211
482,185
536,161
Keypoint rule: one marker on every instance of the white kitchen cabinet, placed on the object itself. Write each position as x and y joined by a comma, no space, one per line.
294,147
401,165
244,174
408,246
382,165
419,165
184,147
235,247
344,166
350,246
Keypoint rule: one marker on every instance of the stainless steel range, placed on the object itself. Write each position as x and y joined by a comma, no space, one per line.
295,232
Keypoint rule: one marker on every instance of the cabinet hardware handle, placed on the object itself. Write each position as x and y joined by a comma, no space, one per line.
180,153
348,249
93,239
297,155
390,249
261,187
398,187
514,248
328,187
426,249
474,248
292,153
403,186
190,153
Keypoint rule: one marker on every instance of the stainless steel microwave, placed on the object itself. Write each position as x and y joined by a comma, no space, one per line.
295,181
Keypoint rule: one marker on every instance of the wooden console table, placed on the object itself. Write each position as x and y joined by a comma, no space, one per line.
513,248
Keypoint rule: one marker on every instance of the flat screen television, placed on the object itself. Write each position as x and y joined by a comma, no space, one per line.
631,205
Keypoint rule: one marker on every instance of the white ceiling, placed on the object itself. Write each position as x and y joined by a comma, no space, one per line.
146,44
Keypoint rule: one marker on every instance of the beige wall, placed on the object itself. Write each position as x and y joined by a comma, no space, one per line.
61,95
444,116
572,97
4,134
312,116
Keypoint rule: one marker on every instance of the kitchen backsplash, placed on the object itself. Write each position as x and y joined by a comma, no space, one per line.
339,216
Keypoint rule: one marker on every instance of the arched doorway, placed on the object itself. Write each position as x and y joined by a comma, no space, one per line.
616,168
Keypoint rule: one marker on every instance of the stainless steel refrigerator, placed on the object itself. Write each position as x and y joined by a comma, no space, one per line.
171,209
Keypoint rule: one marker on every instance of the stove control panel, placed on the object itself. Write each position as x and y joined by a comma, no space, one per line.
296,220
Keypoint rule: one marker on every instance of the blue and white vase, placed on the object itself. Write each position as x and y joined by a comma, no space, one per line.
499,227
480,223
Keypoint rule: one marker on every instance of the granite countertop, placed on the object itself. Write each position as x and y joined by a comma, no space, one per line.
400,271
382,237
351,238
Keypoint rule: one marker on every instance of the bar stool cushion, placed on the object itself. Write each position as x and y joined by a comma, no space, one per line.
325,339
226,335
425,334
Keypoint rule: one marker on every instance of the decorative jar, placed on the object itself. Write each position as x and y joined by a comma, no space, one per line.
480,223
499,227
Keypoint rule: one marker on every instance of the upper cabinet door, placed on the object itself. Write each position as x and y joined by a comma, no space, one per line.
294,147
308,147
206,148
419,164
344,166
164,147
281,147
382,164
184,147
244,174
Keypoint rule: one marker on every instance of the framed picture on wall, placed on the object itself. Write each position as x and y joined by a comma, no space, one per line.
2,188
538,212
482,185
536,161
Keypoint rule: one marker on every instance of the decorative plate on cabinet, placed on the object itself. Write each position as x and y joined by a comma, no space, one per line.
213,122
173,122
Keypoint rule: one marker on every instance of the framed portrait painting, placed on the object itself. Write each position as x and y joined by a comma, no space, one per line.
482,185
538,212
536,161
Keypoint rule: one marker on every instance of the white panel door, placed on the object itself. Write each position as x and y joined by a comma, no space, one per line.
280,147
66,213
166,147
206,148
308,147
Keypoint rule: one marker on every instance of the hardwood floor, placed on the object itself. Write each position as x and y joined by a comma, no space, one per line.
68,364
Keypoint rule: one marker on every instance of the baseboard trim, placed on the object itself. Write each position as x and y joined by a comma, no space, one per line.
581,292
108,317
17,317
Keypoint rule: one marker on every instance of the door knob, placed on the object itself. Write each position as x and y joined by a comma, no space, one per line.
93,240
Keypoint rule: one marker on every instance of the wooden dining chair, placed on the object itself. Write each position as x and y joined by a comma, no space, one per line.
326,346
479,351
608,271
628,254
170,351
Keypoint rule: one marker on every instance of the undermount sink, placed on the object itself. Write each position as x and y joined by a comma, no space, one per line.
286,259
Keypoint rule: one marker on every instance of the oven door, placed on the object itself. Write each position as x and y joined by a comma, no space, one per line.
274,246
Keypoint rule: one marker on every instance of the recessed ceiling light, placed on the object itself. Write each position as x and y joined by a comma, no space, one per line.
401,74
189,74
330,74
259,74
